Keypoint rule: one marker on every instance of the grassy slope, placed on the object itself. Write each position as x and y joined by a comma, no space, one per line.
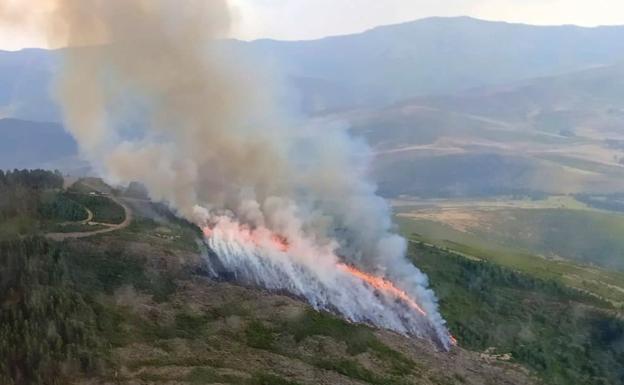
131,306
554,231
584,235
145,316
142,314
562,334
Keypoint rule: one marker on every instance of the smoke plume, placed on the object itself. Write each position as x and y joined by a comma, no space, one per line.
151,94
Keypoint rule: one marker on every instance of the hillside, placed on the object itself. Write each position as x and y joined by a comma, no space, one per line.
135,306
559,134
578,103
434,56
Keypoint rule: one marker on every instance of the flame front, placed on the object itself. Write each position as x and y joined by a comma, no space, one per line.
280,243
382,285
274,261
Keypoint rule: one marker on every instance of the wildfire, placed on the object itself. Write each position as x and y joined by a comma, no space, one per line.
259,236
383,286
256,237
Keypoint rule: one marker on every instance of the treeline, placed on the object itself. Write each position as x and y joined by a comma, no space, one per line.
31,199
566,336
20,191
33,179
60,207
48,330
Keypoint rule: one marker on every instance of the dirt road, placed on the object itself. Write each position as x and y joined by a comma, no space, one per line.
110,228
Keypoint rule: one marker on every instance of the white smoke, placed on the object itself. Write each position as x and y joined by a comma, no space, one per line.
155,98
310,273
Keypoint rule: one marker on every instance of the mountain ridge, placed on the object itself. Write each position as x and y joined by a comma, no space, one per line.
379,66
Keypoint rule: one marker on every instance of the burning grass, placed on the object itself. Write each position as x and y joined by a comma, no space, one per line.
260,257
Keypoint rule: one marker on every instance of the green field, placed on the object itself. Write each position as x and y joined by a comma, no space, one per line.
604,283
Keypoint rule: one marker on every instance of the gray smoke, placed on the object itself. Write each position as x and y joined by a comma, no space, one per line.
151,95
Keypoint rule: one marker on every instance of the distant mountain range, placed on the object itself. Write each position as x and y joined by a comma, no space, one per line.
25,144
454,106
433,56
559,134
380,66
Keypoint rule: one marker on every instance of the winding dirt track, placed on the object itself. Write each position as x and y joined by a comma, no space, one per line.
110,228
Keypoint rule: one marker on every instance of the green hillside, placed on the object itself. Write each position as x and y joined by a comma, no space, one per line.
588,236
568,337
133,306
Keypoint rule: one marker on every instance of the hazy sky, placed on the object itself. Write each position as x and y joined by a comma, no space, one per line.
307,19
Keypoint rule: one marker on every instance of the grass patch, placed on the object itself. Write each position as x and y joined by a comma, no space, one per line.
259,336
180,235
188,325
357,337
269,379
18,226
72,228
97,269
229,309
207,375
351,369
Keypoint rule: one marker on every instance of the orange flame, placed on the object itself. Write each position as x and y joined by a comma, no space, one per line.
259,237
383,285
247,234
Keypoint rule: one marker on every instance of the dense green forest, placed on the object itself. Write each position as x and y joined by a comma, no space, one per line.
20,191
564,335
48,330
52,325
30,200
